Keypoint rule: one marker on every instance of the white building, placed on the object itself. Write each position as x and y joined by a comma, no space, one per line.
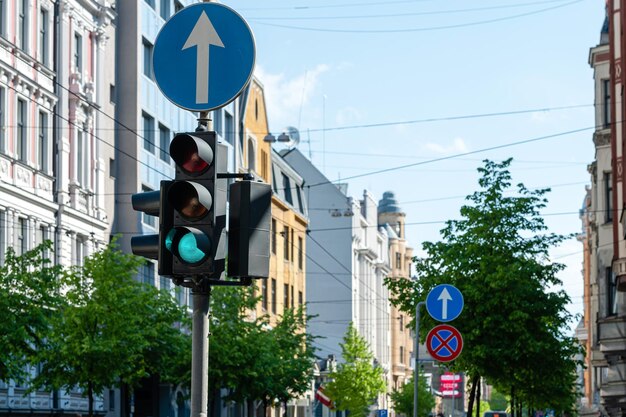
56,138
347,261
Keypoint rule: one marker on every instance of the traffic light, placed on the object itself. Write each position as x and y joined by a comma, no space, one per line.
154,203
249,229
198,199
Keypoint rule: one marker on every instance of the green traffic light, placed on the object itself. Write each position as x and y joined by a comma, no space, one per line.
188,249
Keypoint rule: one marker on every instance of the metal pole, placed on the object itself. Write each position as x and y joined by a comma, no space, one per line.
417,355
204,123
200,353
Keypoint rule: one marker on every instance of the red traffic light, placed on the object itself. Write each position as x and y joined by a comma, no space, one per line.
193,155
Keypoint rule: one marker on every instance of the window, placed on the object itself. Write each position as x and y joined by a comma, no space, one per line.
164,284
217,121
164,143
22,24
292,300
180,295
3,14
300,298
401,322
286,296
146,218
300,253
611,292
287,186
80,250
274,236
398,260
78,52
147,273
147,58
21,236
251,155
165,9
256,109
178,6
3,230
229,126
111,400
150,3
273,296
82,157
264,164
264,294
43,146
112,93
606,103
148,133
608,195
299,194
401,354
42,236
2,119
286,242
22,117
43,36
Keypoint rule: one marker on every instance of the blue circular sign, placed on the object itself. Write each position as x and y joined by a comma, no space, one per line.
204,56
444,302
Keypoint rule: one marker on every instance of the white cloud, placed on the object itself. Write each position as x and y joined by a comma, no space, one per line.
286,96
457,146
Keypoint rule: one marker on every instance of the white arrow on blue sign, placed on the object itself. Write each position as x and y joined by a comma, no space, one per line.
444,302
204,56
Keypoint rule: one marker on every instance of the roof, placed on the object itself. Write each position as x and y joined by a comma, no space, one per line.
389,204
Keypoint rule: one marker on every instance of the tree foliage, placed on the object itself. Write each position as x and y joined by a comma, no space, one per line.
403,398
29,297
357,382
512,324
253,360
112,329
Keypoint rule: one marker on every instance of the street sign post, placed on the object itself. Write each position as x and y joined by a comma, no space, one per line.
444,303
204,56
444,343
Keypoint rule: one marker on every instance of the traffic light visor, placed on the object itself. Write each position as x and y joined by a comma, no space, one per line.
192,200
193,155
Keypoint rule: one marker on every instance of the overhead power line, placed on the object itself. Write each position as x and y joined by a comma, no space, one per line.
420,29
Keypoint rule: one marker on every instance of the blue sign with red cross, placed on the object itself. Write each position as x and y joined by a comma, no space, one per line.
444,343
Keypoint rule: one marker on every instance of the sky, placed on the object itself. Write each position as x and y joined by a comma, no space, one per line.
372,85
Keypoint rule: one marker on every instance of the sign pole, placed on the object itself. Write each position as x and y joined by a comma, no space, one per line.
416,347
200,351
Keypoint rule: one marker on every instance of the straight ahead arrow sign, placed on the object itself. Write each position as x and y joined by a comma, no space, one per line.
202,37
444,297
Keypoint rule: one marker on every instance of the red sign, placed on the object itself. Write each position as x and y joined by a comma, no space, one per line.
450,384
444,343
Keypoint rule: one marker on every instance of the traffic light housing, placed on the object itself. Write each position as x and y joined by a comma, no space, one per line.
249,229
195,238
154,203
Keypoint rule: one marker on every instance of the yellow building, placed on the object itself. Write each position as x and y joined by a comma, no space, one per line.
392,218
286,286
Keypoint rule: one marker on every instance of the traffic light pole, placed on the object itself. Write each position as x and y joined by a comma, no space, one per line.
200,351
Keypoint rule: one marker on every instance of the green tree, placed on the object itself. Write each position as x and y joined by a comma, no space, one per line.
497,255
243,348
29,296
498,401
357,381
403,398
112,330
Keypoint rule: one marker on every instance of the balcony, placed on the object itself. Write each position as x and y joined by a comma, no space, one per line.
612,336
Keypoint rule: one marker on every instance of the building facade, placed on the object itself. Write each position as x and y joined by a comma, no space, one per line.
391,217
603,330
56,137
347,262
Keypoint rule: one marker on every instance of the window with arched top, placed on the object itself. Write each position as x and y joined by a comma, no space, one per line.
251,155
